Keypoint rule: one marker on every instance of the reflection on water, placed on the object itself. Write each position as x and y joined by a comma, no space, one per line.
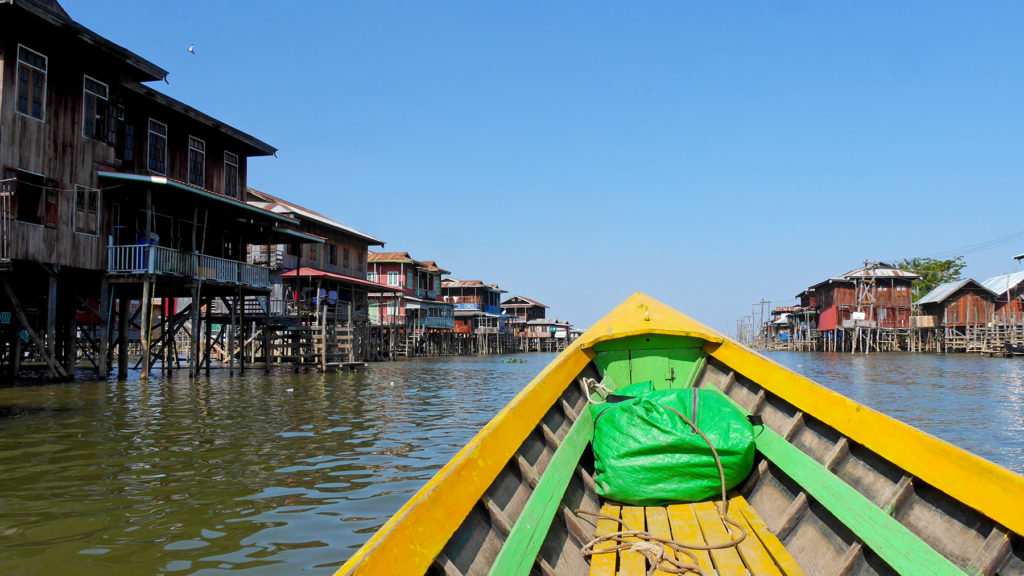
264,475
972,401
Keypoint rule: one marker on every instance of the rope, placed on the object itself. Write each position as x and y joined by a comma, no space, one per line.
652,547
590,387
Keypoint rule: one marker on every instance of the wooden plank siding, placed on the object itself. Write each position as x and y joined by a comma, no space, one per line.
967,308
838,301
56,149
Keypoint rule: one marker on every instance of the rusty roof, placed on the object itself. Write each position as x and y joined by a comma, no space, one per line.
281,206
390,257
525,302
431,266
455,283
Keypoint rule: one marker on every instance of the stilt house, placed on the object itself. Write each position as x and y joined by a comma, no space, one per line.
416,303
520,310
1009,297
960,304
111,193
876,295
477,306
318,277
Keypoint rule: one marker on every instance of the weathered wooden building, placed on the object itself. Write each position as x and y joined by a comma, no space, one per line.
866,308
955,317
317,309
520,310
412,319
479,322
1009,297
111,193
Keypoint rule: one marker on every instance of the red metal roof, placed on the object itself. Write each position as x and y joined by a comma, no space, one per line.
307,272
389,257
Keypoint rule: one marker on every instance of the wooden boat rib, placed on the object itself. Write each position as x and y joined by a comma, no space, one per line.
837,488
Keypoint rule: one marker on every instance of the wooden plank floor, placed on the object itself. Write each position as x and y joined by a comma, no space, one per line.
759,554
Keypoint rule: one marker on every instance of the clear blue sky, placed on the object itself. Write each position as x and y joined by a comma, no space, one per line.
708,154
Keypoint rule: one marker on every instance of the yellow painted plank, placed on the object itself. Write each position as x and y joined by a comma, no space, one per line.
759,562
727,560
770,541
685,530
604,564
416,534
633,563
657,524
978,483
641,314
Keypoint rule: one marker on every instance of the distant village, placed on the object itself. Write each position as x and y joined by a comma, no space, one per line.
130,240
872,309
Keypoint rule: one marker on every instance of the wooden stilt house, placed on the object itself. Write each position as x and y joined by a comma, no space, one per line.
477,313
112,193
959,313
413,318
318,285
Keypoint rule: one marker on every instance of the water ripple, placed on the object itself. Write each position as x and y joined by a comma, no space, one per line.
259,475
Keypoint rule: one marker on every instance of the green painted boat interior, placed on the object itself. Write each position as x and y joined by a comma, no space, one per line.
836,507
666,361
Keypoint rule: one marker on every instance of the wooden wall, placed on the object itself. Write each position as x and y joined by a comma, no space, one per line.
56,148
966,308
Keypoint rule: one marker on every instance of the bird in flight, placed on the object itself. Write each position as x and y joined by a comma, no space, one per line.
192,49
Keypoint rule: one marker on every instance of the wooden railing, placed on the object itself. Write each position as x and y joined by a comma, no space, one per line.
142,259
6,191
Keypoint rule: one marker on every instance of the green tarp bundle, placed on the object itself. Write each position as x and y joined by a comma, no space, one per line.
646,455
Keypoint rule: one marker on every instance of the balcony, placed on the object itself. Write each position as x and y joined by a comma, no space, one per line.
388,320
435,322
137,259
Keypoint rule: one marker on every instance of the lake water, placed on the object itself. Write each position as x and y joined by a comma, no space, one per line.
292,472
972,401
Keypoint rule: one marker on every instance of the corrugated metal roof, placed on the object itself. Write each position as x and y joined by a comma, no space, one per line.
526,302
880,270
1004,282
431,266
943,291
390,257
454,283
281,206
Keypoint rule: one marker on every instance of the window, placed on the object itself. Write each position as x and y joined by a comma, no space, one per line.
408,280
332,254
371,276
344,257
94,109
392,278
157,147
31,83
34,198
126,146
87,210
196,162
230,174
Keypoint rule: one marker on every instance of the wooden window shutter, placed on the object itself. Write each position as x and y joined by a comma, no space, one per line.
50,215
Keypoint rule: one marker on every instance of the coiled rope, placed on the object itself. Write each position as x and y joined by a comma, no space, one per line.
652,547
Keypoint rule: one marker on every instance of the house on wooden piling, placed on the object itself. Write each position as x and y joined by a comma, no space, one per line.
479,322
871,302
520,310
319,291
547,335
1009,297
956,317
413,318
112,193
